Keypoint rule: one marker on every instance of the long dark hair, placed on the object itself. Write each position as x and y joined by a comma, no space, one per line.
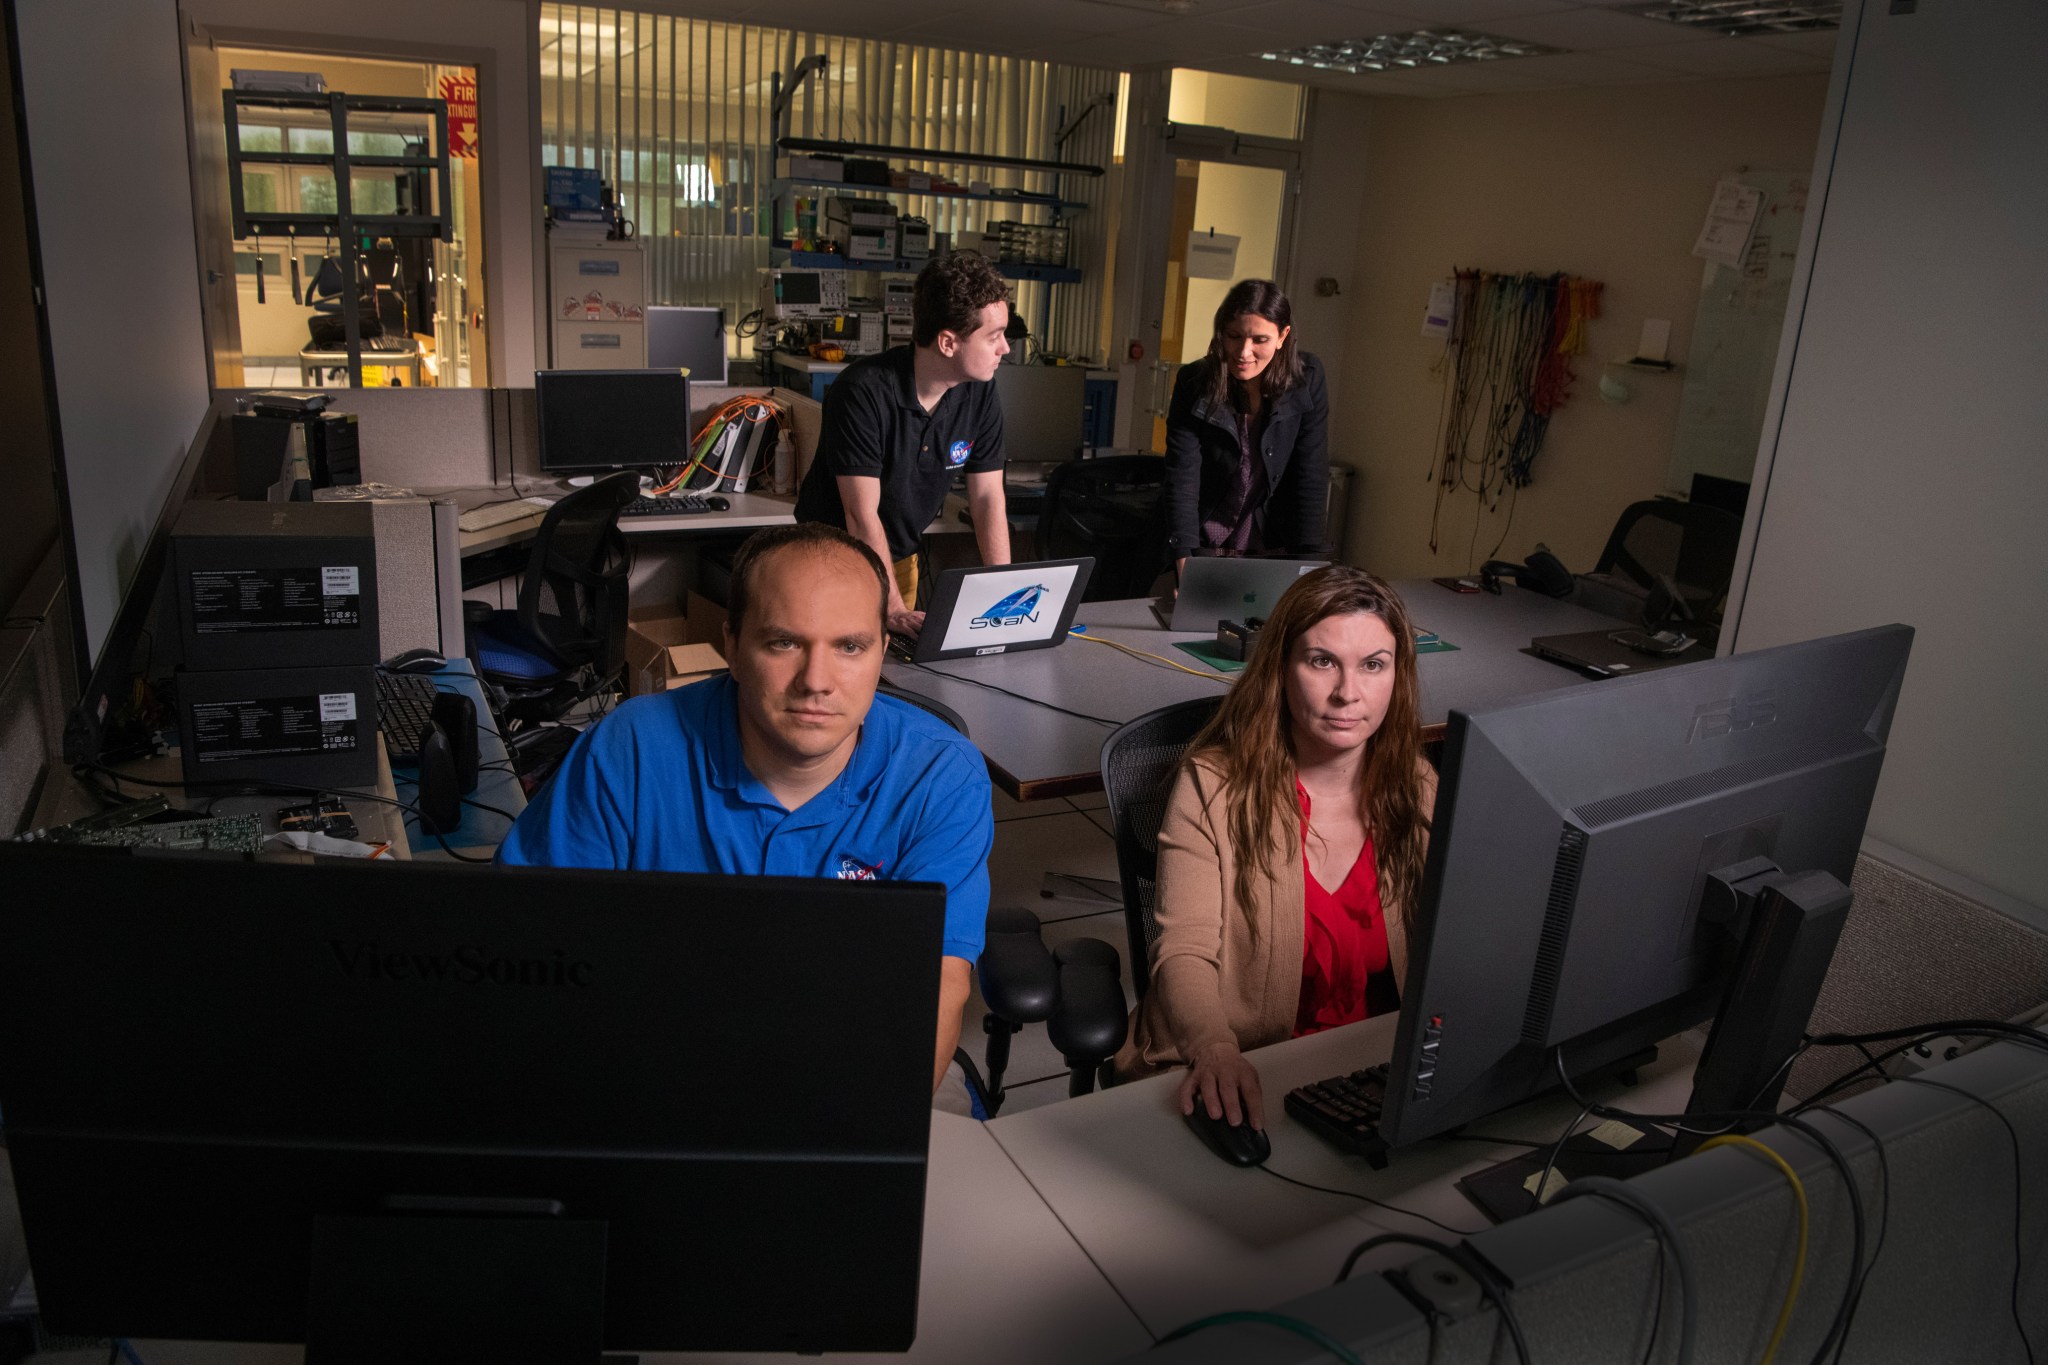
1264,298
1251,741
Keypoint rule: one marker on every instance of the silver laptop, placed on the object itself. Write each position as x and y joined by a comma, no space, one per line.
1213,590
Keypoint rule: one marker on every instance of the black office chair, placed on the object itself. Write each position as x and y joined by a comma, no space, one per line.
1139,761
566,640
1075,993
1690,543
1113,508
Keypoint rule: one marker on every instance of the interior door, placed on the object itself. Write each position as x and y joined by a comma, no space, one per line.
213,222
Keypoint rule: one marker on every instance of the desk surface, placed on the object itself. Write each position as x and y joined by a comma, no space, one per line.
1181,1234
1036,752
748,512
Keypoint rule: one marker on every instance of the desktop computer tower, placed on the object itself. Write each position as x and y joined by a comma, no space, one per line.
315,726
275,584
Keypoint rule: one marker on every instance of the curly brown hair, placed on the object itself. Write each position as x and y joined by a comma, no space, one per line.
1250,740
950,293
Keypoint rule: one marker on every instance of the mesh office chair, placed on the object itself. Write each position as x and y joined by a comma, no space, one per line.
1113,508
1690,543
566,640
1139,761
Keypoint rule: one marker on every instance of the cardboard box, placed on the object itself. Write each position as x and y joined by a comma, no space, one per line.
661,653
707,620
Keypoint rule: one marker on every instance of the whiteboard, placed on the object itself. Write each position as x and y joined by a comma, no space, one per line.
1735,339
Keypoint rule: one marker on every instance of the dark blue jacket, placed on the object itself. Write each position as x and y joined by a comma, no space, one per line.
1202,456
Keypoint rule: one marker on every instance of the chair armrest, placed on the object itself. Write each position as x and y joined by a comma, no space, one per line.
1019,979
1091,1018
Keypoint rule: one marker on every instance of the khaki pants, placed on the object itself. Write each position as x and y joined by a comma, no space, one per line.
906,581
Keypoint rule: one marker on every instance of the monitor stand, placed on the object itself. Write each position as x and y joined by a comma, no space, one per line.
497,1280
1793,923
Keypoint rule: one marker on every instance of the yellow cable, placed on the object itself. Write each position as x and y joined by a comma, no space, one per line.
1799,1194
1156,658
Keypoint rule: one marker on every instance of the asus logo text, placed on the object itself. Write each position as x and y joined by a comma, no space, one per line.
1733,715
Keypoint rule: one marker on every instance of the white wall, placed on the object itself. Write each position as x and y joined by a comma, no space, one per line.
1905,482
122,302
498,37
1333,191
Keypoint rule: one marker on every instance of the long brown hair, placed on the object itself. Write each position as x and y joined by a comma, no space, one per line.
1266,299
1251,740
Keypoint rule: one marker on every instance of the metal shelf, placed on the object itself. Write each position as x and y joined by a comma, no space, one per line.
832,260
780,186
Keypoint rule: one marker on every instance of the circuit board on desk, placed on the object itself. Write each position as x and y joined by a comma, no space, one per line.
225,834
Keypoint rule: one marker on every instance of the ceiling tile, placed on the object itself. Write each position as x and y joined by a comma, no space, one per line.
1726,57
1593,30
1596,68
1293,23
1466,13
1817,43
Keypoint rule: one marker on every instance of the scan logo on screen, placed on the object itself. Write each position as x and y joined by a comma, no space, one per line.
1019,608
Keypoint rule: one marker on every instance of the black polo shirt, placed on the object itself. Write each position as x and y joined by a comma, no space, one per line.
875,428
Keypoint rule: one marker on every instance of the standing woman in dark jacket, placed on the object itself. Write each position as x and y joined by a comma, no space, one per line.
1247,459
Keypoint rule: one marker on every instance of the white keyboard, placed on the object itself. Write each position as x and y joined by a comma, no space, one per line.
498,513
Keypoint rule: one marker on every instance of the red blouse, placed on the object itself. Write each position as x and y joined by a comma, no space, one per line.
1343,940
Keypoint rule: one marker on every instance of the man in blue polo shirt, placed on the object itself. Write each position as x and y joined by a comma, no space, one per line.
789,765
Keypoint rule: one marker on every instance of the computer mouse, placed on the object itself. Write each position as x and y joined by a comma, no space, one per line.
416,661
1239,1144
718,504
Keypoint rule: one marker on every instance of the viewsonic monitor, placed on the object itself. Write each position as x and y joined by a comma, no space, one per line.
1572,899
596,421
415,1112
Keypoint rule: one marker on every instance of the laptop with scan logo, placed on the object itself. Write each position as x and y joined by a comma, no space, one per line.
998,610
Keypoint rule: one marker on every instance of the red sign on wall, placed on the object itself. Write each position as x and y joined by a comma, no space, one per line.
460,92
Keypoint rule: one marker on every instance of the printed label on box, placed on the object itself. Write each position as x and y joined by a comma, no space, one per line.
244,601
228,731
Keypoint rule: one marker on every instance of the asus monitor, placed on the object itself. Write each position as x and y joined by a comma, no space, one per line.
1575,899
399,1109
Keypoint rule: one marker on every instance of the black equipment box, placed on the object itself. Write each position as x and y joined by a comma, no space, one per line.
315,727
275,584
333,450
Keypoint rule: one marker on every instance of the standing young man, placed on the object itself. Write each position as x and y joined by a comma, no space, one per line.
899,425
789,765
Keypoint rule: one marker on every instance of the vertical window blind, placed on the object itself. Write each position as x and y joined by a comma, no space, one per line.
676,115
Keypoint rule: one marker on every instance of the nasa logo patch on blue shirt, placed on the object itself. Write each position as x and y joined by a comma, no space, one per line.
853,870
957,453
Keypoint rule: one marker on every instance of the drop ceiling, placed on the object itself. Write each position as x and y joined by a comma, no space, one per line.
1598,42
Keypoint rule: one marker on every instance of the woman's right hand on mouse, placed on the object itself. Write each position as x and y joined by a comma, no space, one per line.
1225,1085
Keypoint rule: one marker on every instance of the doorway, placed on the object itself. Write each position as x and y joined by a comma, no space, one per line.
1231,220
429,292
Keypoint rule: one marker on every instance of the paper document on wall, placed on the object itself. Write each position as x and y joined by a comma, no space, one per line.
1730,218
1443,307
1212,255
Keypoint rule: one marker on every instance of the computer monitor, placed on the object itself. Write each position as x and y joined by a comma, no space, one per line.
600,420
1570,899
1043,411
696,1106
690,339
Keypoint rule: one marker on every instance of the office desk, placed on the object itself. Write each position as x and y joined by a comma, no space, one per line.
1035,752
1001,1280
749,511
483,827
1181,1233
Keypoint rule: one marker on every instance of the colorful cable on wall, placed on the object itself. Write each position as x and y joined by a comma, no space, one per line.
1508,360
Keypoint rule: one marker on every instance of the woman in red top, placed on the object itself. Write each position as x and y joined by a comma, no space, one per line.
1292,845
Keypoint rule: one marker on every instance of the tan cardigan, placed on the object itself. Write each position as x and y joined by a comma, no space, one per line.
1210,980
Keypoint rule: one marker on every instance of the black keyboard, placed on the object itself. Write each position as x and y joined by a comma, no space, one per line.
674,505
1344,1111
405,703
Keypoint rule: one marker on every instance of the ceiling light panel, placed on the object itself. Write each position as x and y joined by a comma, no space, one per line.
1421,50
1746,18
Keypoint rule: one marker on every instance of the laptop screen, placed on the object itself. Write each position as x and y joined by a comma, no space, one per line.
1008,607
